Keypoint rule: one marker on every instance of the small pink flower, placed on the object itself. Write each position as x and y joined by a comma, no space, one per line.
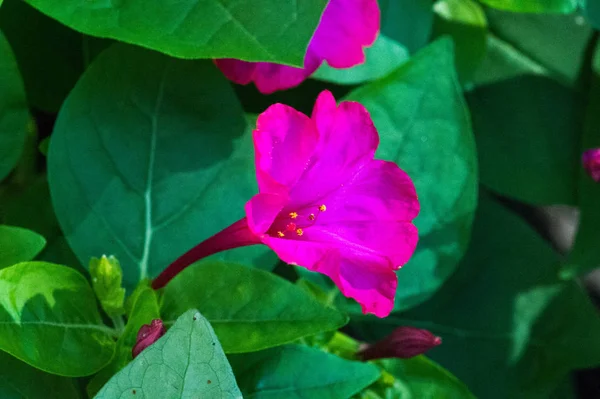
148,334
591,163
403,343
346,27
324,203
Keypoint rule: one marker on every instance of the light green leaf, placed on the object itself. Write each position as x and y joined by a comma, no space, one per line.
249,309
142,308
424,127
18,245
465,22
252,30
408,22
14,115
382,58
49,319
506,310
298,372
186,362
534,6
136,154
20,381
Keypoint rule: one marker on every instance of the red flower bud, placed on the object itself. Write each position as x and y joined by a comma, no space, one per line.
148,334
591,163
403,342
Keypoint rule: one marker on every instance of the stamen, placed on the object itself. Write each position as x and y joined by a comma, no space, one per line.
293,215
299,232
322,208
291,227
280,234
311,217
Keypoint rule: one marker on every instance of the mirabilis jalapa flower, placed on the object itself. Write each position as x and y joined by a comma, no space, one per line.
346,27
325,203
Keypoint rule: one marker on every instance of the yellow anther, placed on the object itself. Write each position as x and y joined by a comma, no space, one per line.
280,234
322,208
299,232
311,216
293,215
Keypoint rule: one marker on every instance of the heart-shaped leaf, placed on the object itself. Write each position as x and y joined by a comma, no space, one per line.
18,245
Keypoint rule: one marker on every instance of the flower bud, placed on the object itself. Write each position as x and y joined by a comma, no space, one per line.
107,277
591,163
403,342
148,334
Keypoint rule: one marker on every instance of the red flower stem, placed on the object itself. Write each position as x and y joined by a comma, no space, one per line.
234,236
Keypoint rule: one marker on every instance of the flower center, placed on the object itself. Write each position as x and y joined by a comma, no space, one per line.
296,222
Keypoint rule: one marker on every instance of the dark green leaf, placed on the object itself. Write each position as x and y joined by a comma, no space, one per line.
18,245
408,22
186,362
534,6
252,30
465,22
20,381
142,309
150,155
506,310
591,9
14,115
424,127
298,372
249,309
49,319
382,58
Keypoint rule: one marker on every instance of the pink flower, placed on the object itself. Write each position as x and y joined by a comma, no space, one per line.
591,163
324,203
403,343
148,334
345,28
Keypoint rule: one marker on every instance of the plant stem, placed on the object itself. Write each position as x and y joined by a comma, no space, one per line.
118,323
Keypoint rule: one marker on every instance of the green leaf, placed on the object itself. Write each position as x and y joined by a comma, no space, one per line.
408,22
506,310
249,309
136,154
424,127
107,277
186,362
298,372
423,378
20,381
382,58
14,115
591,9
142,308
251,30
49,319
18,245
465,22
534,6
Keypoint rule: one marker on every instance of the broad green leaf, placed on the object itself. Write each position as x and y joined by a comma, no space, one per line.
534,6
49,319
18,245
465,22
424,127
298,372
422,378
142,309
21,381
382,58
585,254
506,310
408,22
252,30
186,362
591,9
526,133
249,309
150,155
15,120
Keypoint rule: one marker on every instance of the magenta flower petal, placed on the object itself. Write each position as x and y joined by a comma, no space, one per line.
284,140
591,163
147,335
345,29
262,209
